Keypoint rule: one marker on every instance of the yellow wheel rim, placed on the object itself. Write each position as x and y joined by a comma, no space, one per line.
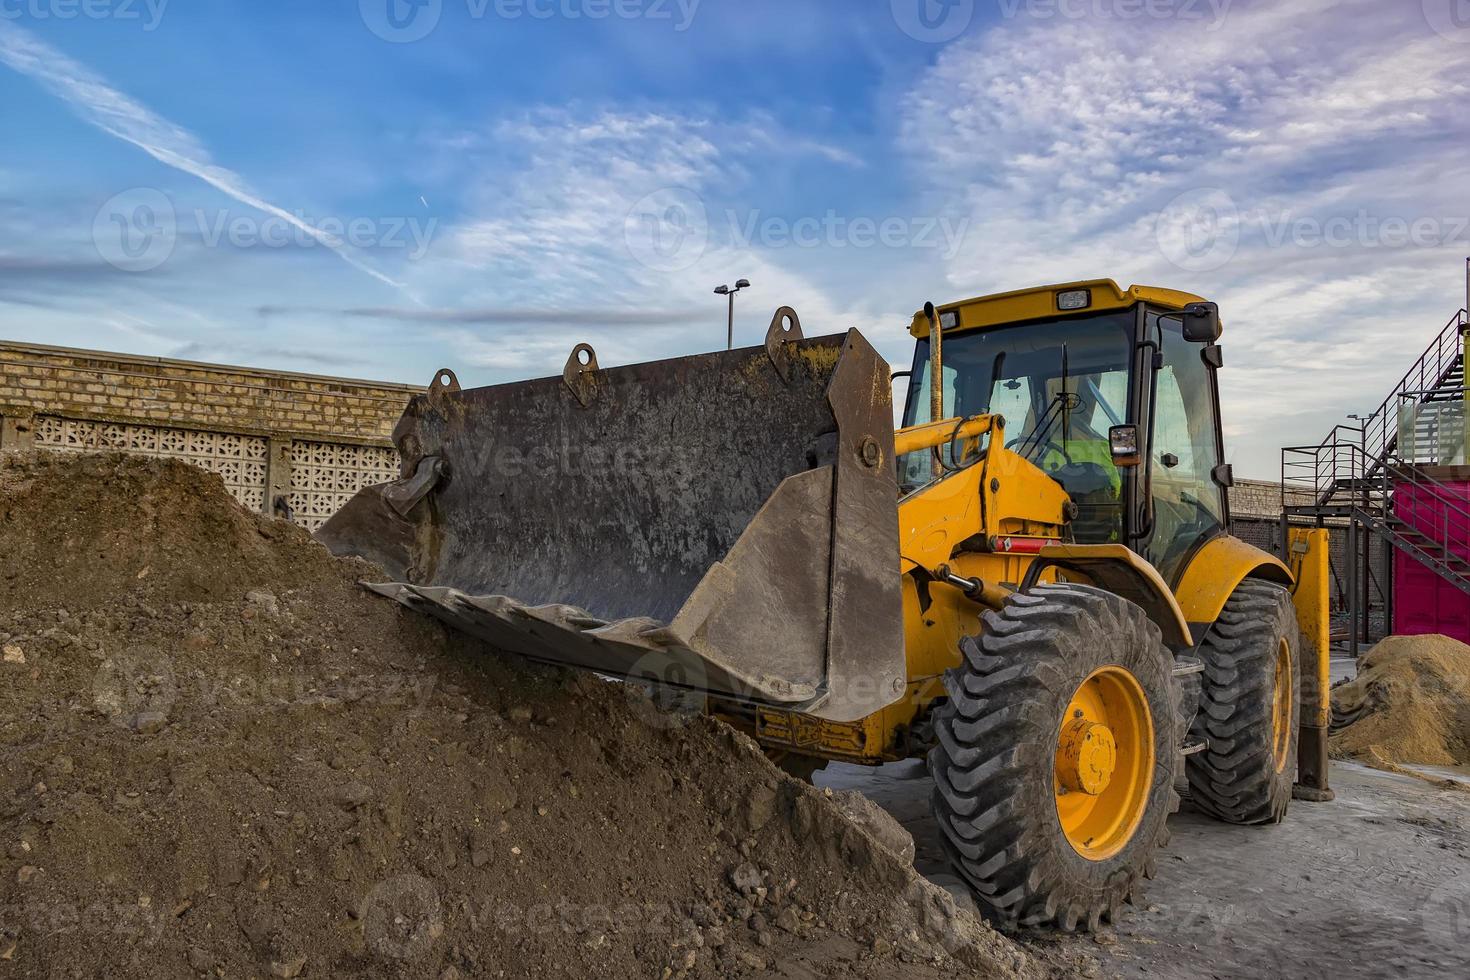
1283,707
1104,763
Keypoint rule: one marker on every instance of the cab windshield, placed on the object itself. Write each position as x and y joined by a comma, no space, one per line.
1060,385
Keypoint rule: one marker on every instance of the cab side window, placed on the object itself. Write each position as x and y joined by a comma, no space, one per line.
1188,506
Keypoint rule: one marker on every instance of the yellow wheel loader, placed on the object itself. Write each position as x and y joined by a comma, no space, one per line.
1030,583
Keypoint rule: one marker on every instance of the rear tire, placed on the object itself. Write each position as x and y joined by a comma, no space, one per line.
997,767
1249,708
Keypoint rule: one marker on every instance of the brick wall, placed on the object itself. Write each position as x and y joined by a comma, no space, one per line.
36,379
306,440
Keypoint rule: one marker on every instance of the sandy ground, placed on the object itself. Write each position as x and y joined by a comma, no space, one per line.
1375,884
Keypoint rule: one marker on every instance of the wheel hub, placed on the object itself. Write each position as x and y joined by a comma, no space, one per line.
1086,757
1104,765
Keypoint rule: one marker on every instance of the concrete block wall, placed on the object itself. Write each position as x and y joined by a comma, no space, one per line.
308,439
39,379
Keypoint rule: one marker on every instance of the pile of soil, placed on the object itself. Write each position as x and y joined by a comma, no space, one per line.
220,756
1409,704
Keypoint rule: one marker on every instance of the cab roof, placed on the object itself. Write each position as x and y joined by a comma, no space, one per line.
1040,302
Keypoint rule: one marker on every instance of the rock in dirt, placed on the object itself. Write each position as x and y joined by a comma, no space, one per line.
877,822
347,789
1409,703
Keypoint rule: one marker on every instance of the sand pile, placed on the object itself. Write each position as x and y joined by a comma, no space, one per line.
219,756
1409,704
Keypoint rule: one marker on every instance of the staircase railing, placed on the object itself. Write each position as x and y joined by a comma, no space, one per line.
1432,426
1415,513
1373,443
1429,372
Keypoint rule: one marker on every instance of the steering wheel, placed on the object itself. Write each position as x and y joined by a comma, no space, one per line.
1048,446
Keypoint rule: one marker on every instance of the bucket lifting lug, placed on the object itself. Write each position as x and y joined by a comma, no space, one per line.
785,330
580,374
445,383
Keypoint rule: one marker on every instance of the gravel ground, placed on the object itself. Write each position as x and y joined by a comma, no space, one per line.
1375,884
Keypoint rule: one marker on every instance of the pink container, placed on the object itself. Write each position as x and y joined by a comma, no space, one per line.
1422,601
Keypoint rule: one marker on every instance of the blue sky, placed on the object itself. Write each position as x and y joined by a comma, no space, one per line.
377,188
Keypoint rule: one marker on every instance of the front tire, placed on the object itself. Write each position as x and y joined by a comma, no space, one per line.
1249,705
1042,822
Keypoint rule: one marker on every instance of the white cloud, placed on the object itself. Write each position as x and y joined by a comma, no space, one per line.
563,228
1314,122
97,102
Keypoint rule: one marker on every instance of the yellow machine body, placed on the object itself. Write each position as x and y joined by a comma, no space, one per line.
1007,497
748,532
962,523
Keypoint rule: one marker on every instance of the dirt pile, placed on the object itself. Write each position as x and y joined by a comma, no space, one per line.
1409,704
219,756
81,531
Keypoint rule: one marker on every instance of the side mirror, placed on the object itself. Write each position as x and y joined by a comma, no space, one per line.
1123,443
1201,323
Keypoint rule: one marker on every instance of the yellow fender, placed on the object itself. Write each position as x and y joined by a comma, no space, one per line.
1214,572
1121,572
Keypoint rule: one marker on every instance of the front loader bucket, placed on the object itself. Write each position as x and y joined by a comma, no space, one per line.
724,522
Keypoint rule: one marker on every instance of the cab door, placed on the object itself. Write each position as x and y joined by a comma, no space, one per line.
1186,503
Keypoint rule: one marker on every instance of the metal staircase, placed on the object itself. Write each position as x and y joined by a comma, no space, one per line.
1369,479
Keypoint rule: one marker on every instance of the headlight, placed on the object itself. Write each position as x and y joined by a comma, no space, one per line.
1074,299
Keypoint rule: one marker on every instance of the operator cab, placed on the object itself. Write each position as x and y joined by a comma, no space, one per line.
1069,365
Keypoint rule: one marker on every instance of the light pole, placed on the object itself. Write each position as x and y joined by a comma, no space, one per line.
730,320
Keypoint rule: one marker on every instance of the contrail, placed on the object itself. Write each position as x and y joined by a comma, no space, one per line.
98,103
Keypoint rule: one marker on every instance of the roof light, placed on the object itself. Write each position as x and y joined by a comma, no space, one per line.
1074,299
949,319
